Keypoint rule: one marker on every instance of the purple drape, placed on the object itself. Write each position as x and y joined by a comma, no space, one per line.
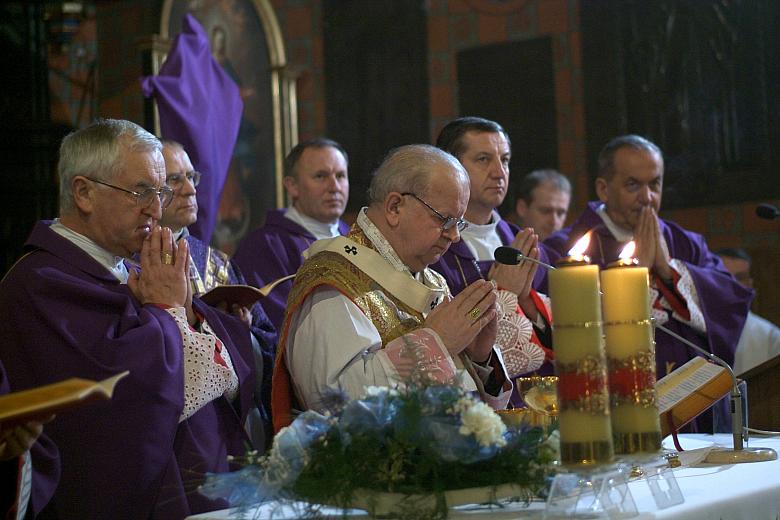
200,107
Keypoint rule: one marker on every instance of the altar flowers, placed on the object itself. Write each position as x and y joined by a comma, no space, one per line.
412,440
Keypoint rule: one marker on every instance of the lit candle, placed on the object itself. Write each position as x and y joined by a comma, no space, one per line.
630,356
583,399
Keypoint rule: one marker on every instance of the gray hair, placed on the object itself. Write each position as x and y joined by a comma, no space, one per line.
635,142
530,182
409,169
96,151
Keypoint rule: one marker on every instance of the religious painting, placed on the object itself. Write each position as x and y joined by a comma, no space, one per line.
241,42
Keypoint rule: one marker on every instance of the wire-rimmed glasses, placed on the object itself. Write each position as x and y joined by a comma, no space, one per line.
146,197
446,222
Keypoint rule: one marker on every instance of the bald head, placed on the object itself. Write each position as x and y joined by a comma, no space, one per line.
415,190
410,169
182,178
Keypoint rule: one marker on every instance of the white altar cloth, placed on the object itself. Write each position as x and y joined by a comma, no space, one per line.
726,492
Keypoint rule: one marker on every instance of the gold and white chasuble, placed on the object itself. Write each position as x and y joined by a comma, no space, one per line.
354,316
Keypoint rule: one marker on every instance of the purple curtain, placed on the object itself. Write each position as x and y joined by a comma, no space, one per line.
200,107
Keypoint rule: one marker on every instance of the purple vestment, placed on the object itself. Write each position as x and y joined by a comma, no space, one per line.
66,316
200,107
724,302
271,252
458,262
45,472
261,329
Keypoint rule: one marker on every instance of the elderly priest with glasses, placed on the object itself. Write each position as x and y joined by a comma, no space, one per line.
366,309
210,268
73,307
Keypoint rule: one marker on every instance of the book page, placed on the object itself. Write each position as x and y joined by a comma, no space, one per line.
689,378
43,401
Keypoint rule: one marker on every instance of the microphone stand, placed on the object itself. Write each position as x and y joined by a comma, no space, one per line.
739,431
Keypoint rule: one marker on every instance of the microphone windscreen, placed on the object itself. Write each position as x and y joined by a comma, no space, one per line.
767,211
506,255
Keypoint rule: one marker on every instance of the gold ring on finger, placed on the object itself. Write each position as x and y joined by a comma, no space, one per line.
167,259
475,313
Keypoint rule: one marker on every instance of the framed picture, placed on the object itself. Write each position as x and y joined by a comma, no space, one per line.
245,40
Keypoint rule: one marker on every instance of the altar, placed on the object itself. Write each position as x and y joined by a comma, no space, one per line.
728,492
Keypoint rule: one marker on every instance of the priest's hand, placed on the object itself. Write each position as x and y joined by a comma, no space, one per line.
239,311
480,349
518,278
163,277
460,320
649,251
15,440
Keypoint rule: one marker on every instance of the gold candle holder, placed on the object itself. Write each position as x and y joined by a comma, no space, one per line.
630,349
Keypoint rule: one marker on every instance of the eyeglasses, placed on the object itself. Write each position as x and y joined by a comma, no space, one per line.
146,197
446,222
176,180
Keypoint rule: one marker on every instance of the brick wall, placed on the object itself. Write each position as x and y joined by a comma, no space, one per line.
301,24
454,25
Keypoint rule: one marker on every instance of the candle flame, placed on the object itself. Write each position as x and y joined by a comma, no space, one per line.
628,251
579,248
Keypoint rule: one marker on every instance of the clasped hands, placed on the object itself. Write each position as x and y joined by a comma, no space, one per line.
163,279
164,276
518,278
468,322
650,252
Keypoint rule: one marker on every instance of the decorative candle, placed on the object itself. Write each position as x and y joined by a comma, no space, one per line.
630,356
583,399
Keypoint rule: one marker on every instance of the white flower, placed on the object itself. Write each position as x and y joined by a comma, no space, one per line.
481,421
376,391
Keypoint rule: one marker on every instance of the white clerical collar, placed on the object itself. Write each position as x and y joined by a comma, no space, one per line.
315,227
382,246
620,234
482,239
183,233
113,263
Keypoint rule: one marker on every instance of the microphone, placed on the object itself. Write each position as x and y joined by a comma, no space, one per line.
767,211
739,453
510,256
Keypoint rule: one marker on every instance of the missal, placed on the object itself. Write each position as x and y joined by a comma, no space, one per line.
38,403
689,390
243,295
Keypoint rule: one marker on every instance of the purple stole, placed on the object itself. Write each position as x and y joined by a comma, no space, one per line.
271,252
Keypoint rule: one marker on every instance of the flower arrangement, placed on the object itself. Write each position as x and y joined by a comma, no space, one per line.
417,440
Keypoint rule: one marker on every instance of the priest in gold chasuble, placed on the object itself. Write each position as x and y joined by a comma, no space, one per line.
366,309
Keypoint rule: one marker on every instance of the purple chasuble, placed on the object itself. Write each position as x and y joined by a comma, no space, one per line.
129,457
271,252
458,263
45,470
262,329
723,301
200,107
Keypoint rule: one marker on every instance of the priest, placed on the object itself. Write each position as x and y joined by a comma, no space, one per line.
74,307
209,268
317,180
366,309
484,149
691,291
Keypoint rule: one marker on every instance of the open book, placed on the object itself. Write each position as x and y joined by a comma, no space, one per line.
38,403
688,391
243,295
